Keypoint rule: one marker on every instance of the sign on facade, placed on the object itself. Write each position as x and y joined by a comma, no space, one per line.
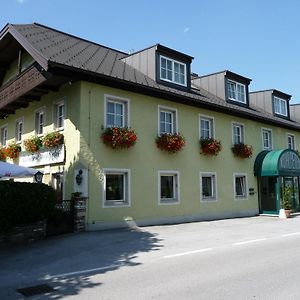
43,157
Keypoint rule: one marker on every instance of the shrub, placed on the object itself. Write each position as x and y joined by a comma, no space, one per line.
23,202
33,144
170,142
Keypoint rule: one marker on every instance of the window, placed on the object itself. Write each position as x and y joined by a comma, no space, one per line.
280,106
116,112
208,186
240,186
206,127
116,187
167,120
267,139
236,91
237,133
39,121
168,187
291,141
19,130
59,115
3,136
172,71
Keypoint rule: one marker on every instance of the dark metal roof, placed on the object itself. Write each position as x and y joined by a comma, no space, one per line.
274,91
55,50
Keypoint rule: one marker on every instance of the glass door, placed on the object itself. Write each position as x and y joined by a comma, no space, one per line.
267,195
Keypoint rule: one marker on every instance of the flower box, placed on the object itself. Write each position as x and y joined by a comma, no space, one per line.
119,138
53,140
242,150
33,144
170,142
13,150
210,146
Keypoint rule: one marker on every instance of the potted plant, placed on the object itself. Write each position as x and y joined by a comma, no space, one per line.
119,137
2,154
210,146
242,150
33,144
286,198
53,140
13,150
170,142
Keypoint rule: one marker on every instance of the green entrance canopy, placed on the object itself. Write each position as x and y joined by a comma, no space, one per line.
277,163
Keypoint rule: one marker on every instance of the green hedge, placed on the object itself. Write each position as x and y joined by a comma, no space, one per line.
22,202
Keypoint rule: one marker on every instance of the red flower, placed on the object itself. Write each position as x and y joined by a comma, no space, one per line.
210,146
170,142
13,150
242,150
2,154
119,138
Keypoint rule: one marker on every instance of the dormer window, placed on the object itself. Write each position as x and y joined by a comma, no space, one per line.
280,107
236,91
172,71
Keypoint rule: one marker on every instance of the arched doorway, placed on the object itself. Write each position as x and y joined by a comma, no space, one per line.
276,170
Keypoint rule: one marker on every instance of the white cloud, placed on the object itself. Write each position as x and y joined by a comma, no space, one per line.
186,29
20,1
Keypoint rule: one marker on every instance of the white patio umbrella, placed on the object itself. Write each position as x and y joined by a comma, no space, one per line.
10,171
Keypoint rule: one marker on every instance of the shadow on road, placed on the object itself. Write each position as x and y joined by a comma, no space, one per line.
67,263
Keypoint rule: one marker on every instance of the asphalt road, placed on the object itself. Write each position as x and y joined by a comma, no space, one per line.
248,258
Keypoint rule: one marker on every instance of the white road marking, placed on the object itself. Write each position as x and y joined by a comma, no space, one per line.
248,242
291,234
188,253
83,271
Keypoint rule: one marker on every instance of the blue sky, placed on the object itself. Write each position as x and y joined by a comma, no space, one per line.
258,39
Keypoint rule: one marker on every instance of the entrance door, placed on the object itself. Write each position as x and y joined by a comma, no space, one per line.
267,195
292,182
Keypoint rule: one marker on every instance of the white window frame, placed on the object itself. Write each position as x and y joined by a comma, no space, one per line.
245,197
236,84
278,106
173,70
127,188
126,108
290,135
56,105
18,121
242,127
214,197
269,131
176,187
37,114
211,121
4,137
174,113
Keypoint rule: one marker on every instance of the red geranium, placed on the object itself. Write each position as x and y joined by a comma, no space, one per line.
2,154
170,142
119,138
242,150
13,150
210,146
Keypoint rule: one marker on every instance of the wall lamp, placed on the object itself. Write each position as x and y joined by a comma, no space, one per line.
79,177
38,176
